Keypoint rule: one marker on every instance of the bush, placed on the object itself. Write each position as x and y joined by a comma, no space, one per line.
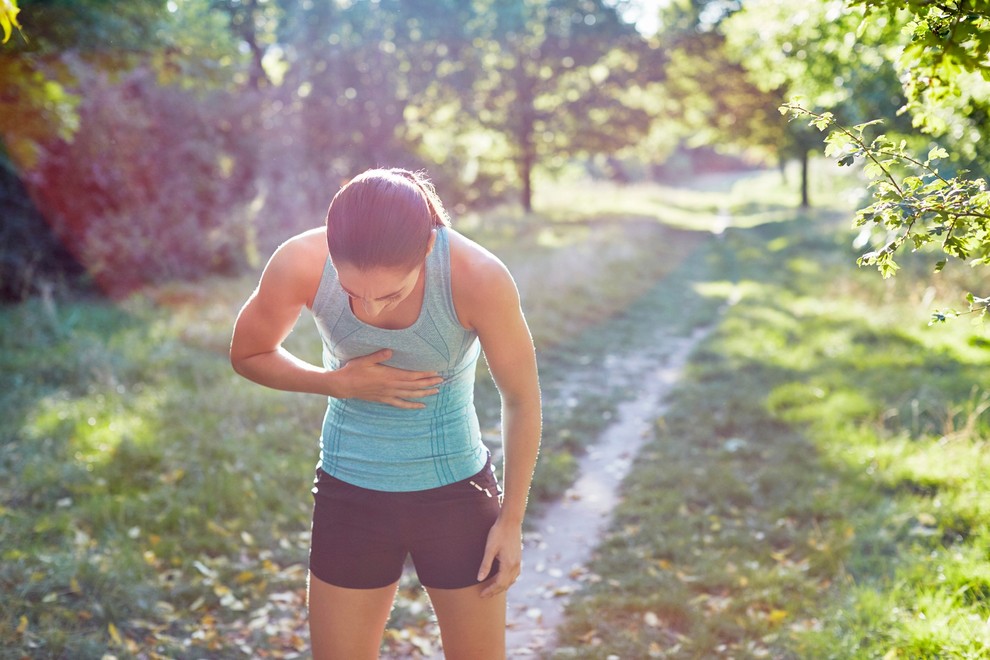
149,187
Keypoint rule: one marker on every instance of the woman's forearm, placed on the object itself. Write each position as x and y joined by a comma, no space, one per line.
521,428
282,370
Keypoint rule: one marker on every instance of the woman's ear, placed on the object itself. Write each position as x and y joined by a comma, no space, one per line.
433,240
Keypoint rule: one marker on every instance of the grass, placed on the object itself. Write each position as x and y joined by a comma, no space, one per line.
818,488
142,481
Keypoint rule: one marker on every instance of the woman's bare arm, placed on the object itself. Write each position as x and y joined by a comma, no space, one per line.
490,304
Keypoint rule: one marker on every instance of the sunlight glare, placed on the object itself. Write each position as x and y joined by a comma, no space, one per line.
644,14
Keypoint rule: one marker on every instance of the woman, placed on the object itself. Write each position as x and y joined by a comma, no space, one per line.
404,305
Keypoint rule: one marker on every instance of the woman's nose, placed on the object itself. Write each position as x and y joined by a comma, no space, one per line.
373,308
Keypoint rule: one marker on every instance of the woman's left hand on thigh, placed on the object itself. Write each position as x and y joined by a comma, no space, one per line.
505,544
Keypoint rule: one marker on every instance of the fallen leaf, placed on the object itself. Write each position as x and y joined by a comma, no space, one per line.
114,634
776,616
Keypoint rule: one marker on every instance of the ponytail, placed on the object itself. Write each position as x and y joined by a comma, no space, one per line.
437,211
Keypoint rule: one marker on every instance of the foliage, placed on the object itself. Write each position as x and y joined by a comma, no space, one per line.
277,102
8,18
839,59
701,95
822,52
944,69
40,264
68,98
158,205
39,82
719,102
917,208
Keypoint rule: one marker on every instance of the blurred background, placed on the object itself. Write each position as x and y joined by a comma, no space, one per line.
150,140
819,488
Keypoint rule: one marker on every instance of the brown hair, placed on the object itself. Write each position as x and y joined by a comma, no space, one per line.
383,218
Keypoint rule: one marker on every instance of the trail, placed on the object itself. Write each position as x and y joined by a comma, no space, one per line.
557,552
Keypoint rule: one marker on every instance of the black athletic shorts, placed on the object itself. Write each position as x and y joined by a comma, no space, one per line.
361,538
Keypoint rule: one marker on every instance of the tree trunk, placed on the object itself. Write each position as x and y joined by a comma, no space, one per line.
526,174
805,200
525,98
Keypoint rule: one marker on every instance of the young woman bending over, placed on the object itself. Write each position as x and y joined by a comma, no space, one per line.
404,305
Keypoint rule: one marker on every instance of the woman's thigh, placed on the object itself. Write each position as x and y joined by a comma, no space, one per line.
471,627
347,624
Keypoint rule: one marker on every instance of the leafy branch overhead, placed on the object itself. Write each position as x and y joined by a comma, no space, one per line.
913,203
8,18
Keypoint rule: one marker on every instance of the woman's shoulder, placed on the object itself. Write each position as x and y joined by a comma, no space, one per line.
298,263
480,282
312,242
303,250
472,261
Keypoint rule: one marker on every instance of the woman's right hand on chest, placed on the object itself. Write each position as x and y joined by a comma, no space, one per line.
367,378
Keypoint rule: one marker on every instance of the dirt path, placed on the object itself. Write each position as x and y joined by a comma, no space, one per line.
557,552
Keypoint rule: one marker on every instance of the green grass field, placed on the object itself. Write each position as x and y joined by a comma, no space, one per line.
816,489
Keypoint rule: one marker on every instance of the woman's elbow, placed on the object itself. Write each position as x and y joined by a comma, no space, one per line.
238,359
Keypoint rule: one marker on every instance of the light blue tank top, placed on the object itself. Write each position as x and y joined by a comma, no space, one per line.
381,447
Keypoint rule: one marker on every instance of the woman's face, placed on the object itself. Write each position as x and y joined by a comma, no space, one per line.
377,290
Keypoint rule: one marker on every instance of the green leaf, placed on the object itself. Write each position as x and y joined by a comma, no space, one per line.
8,18
822,121
874,170
860,127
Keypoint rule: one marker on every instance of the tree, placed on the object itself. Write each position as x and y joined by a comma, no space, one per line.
247,21
542,81
821,52
943,61
710,97
916,200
